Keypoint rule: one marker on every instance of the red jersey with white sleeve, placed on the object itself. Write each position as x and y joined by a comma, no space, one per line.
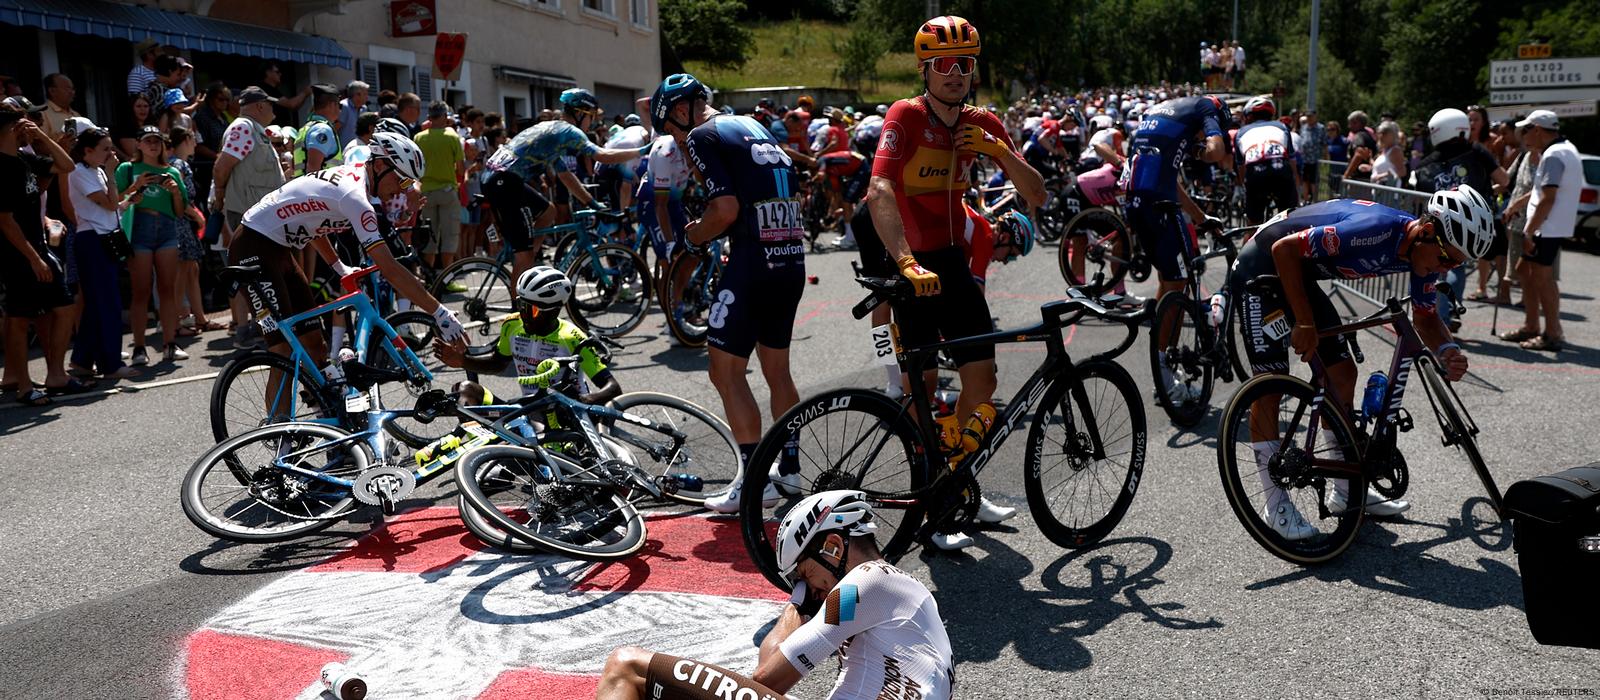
917,152
317,204
978,243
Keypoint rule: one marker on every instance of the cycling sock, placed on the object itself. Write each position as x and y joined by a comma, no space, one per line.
1264,452
1166,373
337,344
894,388
747,451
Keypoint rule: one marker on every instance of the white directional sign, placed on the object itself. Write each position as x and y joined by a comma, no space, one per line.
1565,109
1543,73
1506,97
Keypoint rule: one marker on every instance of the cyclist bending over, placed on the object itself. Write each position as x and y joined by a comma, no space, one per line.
884,624
1346,239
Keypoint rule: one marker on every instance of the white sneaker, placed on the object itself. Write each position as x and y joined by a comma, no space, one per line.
787,484
728,501
951,543
1376,505
894,391
1181,392
174,353
990,512
1288,523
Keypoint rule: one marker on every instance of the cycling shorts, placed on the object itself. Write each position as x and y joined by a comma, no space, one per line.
517,206
1265,186
1267,354
282,285
754,305
957,311
665,243
673,678
1168,241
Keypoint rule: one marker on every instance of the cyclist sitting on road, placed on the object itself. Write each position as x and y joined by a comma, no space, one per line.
1264,151
310,208
1346,239
519,209
884,625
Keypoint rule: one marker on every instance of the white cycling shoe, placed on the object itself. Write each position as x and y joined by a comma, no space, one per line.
990,512
777,485
1376,505
951,543
1286,520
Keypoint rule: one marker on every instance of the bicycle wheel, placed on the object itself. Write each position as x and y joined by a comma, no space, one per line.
529,497
487,533
261,388
610,290
478,290
846,439
1459,431
417,329
237,491
1284,471
709,452
691,303
1183,382
1105,255
1076,498
1054,214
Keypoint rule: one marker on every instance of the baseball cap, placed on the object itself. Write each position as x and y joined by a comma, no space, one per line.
151,132
253,94
1542,118
79,124
24,105
145,46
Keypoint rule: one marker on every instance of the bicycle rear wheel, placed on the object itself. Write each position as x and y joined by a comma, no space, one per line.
478,290
845,439
487,533
417,329
709,451
1076,498
261,388
1105,255
610,290
1183,382
1284,466
1459,431
532,499
242,489
688,306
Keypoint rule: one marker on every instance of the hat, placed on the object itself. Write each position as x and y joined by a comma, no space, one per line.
146,46
1542,118
173,96
324,89
149,131
24,105
253,94
78,124
184,63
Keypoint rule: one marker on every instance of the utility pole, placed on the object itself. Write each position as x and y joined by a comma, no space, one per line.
1311,79
933,8
1235,20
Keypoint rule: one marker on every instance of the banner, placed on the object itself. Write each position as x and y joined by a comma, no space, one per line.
449,50
413,18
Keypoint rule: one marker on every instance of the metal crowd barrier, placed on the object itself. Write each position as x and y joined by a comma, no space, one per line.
1374,290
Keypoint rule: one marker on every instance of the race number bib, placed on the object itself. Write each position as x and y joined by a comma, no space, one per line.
883,346
1276,325
779,220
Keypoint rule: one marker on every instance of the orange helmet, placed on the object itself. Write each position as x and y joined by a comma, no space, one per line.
947,36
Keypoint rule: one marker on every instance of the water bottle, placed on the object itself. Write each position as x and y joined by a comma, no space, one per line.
685,482
977,427
1218,304
343,682
1372,402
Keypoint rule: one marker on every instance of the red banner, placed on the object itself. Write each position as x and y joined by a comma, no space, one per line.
413,18
448,51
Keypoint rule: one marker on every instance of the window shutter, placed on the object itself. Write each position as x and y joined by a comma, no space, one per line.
422,77
368,73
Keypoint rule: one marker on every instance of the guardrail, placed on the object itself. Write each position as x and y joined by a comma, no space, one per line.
1374,290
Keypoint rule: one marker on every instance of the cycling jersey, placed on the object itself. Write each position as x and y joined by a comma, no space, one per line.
887,631
318,204
1164,139
1266,150
668,171
527,351
839,165
917,153
1350,239
978,243
542,144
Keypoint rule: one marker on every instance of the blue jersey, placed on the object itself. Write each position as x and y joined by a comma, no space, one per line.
546,144
738,158
1351,239
1165,137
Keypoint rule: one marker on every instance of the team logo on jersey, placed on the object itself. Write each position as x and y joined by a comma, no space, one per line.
369,221
1330,240
768,154
890,141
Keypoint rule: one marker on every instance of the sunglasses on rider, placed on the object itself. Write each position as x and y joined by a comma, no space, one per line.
953,65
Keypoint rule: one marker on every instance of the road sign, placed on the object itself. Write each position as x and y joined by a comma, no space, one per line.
1586,108
1550,73
1505,97
1533,51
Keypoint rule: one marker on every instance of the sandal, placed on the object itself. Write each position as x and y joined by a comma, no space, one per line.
1543,342
73,386
186,332
211,325
1477,296
1518,335
35,398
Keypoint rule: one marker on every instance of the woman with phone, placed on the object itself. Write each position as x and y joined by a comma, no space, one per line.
98,247
154,237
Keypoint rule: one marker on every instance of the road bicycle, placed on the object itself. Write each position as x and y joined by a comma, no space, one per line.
1189,345
1084,456
1315,443
688,306
1093,211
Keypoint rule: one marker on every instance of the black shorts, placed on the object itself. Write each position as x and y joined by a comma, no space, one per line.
25,295
754,305
957,311
1545,251
1269,354
1166,239
517,206
282,284
673,678
1265,185
875,260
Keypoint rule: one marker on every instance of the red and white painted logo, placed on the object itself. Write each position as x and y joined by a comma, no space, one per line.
421,610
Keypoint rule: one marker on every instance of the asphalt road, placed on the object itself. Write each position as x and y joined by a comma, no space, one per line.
106,579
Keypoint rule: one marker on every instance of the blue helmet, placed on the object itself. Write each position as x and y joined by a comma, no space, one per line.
574,99
678,87
1018,231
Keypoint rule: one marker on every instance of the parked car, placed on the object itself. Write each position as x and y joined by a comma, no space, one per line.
1588,233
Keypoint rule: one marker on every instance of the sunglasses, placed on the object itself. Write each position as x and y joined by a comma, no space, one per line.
952,65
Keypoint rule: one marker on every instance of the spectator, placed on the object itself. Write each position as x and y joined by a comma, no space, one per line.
1238,65
387,107
445,164
58,96
1360,133
350,109
1338,143
409,110
285,110
155,243
1225,65
172,112
247,169
191,225
126,130
143,72
1522,170
34,278
282,140
316,145
1418,145
356,152
1313,148
210,123
1389,167
1552,212
168,77
477,151
97,244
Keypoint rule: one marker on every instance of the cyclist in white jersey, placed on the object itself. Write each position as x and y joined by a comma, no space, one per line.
884,625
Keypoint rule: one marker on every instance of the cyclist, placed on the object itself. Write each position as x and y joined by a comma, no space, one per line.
883,624
1347,239
752,197
1043,150
1264,152
661,212
617,180
983,247
518,207
308,209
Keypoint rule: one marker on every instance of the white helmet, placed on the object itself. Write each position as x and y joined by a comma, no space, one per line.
847,512
1466,218
544,287
1446,124
400,151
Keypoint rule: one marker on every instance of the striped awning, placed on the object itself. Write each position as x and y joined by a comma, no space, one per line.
134,23
533,77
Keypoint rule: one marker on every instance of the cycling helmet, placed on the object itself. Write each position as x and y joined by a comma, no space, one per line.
1261,108
846,512
632,120
1019,231
678,87
1465,219
401,153
1446,124
544,287
947,36
578,99
390,125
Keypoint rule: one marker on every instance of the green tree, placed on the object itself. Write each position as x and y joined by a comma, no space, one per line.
1338,91
859,52
707,31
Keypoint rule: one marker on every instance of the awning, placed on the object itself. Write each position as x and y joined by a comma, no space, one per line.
188,32
532,77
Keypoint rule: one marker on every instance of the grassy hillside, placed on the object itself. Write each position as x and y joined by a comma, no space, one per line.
800,52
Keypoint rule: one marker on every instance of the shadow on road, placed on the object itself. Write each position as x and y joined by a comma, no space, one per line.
224,558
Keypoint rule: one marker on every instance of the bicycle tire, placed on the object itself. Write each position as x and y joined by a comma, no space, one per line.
618,286
227,454
1331,539
1174,308
487,299
710,452
697,295
236,412
487,533
1085,409
524,479
897,527
1464,439
1102,223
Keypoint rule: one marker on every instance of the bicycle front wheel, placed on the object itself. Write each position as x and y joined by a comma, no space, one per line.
1459,431
534,498
1105,250
1183,382
687,306
249,488
1085,454
610,290
478,290
708,453
261,388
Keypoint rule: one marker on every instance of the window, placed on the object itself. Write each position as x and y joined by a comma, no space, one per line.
548,4
639,10
600,7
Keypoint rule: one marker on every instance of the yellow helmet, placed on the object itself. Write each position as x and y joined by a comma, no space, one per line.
947,36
